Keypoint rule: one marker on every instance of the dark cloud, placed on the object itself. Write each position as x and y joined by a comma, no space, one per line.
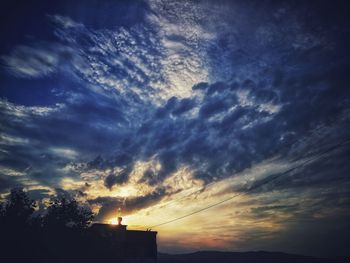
213,107
120,178
269,211
253,123
39,194
244,130
150,177
326,170
8,182
200,86
68,194
183,106
128,205
274,84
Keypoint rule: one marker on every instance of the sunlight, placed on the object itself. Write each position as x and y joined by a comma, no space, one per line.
114,221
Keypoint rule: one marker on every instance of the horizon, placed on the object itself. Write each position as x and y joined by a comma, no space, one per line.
250,251
222,125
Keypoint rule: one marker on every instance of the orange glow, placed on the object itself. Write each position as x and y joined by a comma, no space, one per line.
113,221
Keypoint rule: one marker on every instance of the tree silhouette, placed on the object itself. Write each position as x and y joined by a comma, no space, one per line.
54,235
64,213
15,231
17,209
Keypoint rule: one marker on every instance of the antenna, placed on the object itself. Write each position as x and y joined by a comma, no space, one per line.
120,216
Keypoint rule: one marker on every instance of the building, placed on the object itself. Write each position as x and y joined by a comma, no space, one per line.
128,245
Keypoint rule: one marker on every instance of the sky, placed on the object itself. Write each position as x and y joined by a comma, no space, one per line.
162,108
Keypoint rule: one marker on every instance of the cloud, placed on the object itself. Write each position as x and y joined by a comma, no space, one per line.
31,62
37,61
64,152
121,61
179,111
120,178
109,204
7,182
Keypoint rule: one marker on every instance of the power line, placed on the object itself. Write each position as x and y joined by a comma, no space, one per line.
256,185
294,142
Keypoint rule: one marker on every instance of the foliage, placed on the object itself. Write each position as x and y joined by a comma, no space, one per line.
27,235
18,208
67,213
17,211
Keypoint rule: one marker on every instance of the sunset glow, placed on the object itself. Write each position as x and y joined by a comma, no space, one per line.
113,221
222,125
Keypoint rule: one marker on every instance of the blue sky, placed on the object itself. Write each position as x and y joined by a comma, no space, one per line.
163,107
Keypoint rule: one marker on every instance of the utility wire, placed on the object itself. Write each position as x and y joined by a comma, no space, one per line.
263,182
206,186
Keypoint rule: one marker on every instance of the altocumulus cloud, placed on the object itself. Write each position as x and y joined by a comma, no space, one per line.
176,102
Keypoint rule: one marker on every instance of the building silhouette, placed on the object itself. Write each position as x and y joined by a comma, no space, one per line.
127,245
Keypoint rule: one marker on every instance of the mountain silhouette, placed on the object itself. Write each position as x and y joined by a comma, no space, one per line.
243,257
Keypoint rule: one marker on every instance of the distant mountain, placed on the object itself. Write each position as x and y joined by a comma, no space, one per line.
243,257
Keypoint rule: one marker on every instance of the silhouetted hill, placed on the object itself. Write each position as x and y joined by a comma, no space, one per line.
243,257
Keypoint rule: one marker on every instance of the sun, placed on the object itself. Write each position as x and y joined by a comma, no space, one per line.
113,221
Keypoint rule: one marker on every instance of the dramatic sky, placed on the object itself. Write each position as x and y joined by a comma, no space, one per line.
162,108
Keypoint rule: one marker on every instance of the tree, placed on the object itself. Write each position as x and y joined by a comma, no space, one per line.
64,213
17,209
2,210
